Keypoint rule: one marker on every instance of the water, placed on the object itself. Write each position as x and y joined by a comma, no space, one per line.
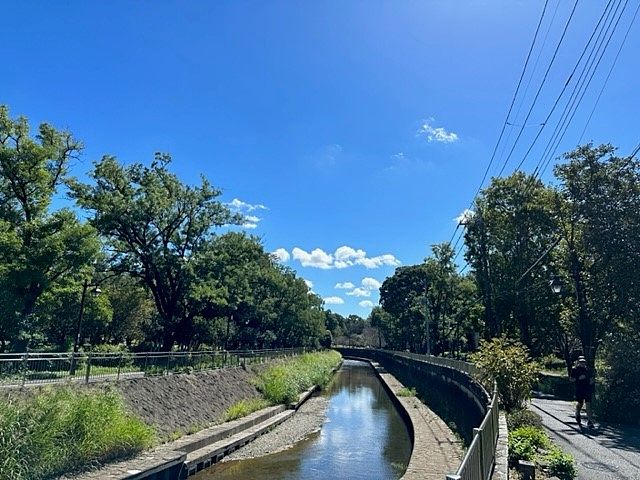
363,437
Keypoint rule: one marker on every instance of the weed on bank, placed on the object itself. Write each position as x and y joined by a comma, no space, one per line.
63,430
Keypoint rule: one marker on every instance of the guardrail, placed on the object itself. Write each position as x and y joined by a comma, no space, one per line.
479,459
19,369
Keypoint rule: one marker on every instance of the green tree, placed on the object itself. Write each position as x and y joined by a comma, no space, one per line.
134,312
154,225
428,305
38,248
598,208
513,224
246,299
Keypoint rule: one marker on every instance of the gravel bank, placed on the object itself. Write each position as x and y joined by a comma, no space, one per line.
308,419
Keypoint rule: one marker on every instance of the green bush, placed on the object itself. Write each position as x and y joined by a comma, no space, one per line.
118,354
282,383
245,407
406,392
618,381
561,465
551,362
64,430
524,443
523,418
508,363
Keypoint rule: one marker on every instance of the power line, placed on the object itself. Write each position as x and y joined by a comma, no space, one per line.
567,121
615,60
504,125
544,79
559,130
513,100
564,88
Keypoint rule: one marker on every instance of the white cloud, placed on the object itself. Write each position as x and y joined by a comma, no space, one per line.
347,256
318,258
436,134
343,257
359,292
238,204
371,283
366,304
375,262
466,216
345,285
281,255
333,301
309,283
250,221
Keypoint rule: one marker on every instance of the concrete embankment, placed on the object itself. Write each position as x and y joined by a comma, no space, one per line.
175,404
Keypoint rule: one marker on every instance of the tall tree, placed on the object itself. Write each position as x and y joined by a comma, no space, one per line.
598,207
38,247
154,226
513,225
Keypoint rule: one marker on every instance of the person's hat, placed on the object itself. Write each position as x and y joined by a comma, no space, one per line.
581,359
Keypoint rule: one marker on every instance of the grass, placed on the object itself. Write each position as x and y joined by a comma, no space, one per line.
406,392
245,407
284,382
65,430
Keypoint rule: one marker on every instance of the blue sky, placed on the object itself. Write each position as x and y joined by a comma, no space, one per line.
362,127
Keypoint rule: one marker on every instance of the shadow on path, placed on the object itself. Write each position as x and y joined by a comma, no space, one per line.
606,452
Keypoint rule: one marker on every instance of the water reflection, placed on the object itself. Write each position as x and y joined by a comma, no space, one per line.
363,437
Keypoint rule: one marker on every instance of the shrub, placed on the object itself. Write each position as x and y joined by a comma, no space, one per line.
561,465
63,430
508,363
523,418
618,382
282,383
551,362
245,407
524,443
118,354
406,392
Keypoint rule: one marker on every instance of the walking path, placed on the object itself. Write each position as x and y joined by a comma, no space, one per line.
602,453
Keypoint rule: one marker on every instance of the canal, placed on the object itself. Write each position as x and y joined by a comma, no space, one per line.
362,437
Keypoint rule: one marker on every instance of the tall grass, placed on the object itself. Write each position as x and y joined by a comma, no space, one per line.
282,383
244,408
62,430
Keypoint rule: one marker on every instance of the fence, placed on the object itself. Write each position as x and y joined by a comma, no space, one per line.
19,369
479,459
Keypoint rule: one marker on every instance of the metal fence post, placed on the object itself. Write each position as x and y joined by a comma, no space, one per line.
453,477
477,432
88,372
25,367
119,366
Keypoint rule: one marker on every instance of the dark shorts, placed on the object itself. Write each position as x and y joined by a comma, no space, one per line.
583,396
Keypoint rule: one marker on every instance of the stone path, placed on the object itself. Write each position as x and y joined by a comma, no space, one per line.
603,453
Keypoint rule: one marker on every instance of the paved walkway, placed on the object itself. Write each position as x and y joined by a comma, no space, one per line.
603,453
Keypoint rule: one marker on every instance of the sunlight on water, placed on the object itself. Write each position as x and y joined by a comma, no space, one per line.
363,437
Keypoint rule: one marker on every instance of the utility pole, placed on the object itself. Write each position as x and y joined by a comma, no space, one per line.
426,317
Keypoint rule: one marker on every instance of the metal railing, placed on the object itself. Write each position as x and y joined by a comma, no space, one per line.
19,369
479,459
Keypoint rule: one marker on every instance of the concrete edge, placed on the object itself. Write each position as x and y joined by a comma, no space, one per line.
501,466
408,408
176,451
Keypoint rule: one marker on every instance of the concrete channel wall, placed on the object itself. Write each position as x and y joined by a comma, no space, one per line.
453,395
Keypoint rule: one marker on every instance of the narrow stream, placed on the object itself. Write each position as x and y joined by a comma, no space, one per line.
363,437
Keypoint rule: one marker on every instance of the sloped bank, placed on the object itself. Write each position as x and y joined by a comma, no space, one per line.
177,459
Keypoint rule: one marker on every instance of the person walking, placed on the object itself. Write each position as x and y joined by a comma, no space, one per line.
583,377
